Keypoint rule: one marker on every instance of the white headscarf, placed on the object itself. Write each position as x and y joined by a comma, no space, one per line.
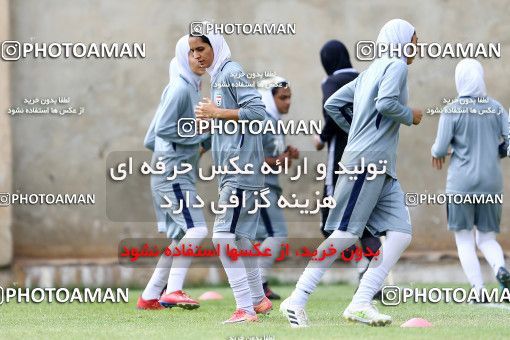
182,53
221,53
396,32
469,78
267,95
173,70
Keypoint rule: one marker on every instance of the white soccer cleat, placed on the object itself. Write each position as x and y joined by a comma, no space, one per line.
295,314
366,314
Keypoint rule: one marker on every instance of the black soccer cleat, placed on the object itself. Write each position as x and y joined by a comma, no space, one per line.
269,293
503,278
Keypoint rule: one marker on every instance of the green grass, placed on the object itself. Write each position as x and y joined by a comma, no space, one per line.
123,321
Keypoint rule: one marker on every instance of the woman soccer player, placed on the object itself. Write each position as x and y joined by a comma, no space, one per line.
187,227
337,64
272,230
478,139
379,98
234,100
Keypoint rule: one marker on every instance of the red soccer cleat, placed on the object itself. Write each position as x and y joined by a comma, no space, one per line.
264,307
178,299
241,316
148,304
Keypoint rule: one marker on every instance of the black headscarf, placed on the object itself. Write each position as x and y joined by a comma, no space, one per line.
334,56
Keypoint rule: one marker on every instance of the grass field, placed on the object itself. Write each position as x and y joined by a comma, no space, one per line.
116,321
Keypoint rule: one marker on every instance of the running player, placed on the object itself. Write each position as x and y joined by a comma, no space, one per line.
337,64
478,138
234,100
379,97
186,227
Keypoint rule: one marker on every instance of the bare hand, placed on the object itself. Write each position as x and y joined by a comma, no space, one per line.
282,157
206,109
319,145
417,115
438,162
293,152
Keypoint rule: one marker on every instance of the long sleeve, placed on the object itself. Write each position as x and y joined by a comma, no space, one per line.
249,100
504,148
339,105
508,139
387,100
444,135
330,128
167,126
150,137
